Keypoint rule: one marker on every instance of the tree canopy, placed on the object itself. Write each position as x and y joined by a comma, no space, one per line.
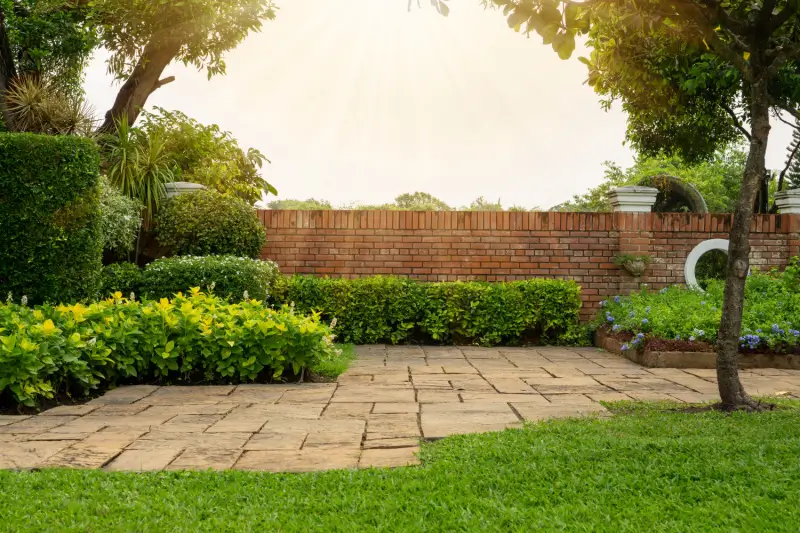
718,180
55,37
208,155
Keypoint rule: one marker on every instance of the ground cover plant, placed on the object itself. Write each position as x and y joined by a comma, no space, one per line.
645,469
71,350
685,319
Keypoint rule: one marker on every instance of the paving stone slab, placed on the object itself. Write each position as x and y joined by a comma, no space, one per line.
405,442
392,426
276,441
143,460
37,424
200,458
70,410
395,408
300,461
25,455
82,455
125,395
347,410
361,394
7,420
488,397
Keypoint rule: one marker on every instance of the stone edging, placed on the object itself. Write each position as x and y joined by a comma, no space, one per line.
693,359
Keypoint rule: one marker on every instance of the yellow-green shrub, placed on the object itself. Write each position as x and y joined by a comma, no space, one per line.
76,348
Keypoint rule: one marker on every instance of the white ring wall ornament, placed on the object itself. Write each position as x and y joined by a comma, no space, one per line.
695,255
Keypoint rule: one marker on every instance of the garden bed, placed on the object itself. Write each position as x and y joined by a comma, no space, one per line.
661,353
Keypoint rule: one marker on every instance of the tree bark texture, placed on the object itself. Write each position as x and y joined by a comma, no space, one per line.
731,390
144,79
7,69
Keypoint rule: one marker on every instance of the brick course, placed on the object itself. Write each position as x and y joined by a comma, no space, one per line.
505,246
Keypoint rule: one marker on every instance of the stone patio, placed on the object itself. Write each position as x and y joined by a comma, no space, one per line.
376,415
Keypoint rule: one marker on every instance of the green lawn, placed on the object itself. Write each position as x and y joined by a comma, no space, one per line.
644,470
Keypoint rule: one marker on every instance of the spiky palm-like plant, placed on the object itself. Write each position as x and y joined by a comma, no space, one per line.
37,106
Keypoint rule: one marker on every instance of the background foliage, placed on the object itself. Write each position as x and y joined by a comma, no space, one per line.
51,241
208,155
717,180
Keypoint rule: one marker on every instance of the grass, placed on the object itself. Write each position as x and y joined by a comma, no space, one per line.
330,369
642,470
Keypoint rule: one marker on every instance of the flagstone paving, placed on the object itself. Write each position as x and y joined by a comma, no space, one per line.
376,415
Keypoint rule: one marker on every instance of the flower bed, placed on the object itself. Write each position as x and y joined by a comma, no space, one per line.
74,349
682,322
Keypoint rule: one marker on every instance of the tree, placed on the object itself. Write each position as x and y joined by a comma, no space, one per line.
143,38
208,155
481,204
420,201
717,180
731,52
300,205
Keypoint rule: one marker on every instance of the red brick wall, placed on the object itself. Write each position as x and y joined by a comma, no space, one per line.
501,246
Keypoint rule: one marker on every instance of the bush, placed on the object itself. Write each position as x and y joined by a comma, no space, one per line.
387,309
50,239
209,223
75,349
771,319
230,276
120,219
125,278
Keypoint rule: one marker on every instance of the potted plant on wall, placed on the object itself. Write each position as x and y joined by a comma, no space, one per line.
635,265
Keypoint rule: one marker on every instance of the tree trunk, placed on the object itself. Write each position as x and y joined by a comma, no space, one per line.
140,85
731,390
7,70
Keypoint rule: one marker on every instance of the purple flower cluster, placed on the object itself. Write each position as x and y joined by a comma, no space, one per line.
751,341
609,317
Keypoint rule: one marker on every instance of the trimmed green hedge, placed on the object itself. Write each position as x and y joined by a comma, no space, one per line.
74,349
50,238
209,223
231,277
394,310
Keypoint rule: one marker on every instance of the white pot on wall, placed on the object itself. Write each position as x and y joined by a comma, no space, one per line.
181,187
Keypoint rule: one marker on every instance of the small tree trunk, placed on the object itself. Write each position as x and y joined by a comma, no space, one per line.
7,69
731,390
144,79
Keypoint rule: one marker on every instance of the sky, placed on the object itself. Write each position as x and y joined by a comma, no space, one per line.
357,101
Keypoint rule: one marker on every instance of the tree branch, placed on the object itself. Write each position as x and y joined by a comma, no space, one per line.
775,22
788,164
714,8
736,122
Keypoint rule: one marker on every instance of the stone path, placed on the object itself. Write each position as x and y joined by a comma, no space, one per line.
376,415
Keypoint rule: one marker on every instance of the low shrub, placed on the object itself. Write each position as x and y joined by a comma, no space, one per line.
393,310
74,349
50,238
771,319
125,278
209,223
228,276
120,219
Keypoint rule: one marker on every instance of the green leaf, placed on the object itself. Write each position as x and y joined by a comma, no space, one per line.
564,45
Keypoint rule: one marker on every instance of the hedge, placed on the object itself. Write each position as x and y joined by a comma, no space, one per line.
394,310
233,278
209,223
50,238
74,349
